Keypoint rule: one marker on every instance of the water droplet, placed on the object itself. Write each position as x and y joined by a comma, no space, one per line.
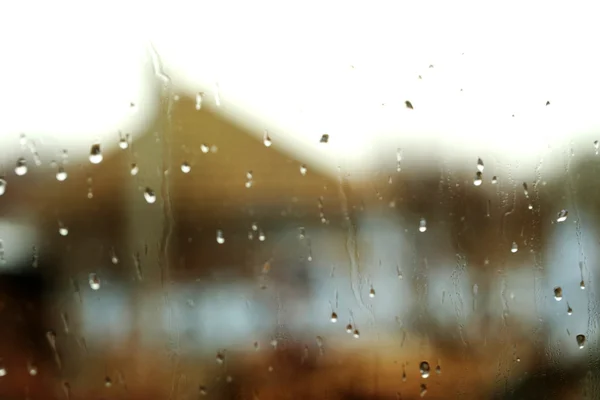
220,358
149,195
438,369
220,238
372,293
249,177
21,167
123,143
423,390
596,146
356,334
580,341
185,167
94,281
349,328
478,179
267,140
2,186
494,180
422,225
204,148
254,226
424,368
61,175
107,382
582,285
525,190
2,370
96,154
398,160
480,165
32,369
569,309
303,169
562,216
408,105
514,248
261,236
334,317
199,96
558,294
324,138
203,390
63,230
134,169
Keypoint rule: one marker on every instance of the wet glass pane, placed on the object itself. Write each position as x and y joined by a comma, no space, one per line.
255,201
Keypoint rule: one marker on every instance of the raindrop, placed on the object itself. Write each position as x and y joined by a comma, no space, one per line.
514,248
249,177
334,317
324,138
134,169
107,382
61,175
185,167
478,179
254,226
558,294
480,165
349,328
303,169
423,390
220,358
562,216
204,148
438,369
220,238
199,96
96,154
408,105
422,225
32,369
149,195
63,230
424,368
267,140
123,142
525,190
596,146
203,390
21,167
356,334
372,293
398,160
94,281
2,186
582,285
261,236
2,370
580,341
569,309
403,376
